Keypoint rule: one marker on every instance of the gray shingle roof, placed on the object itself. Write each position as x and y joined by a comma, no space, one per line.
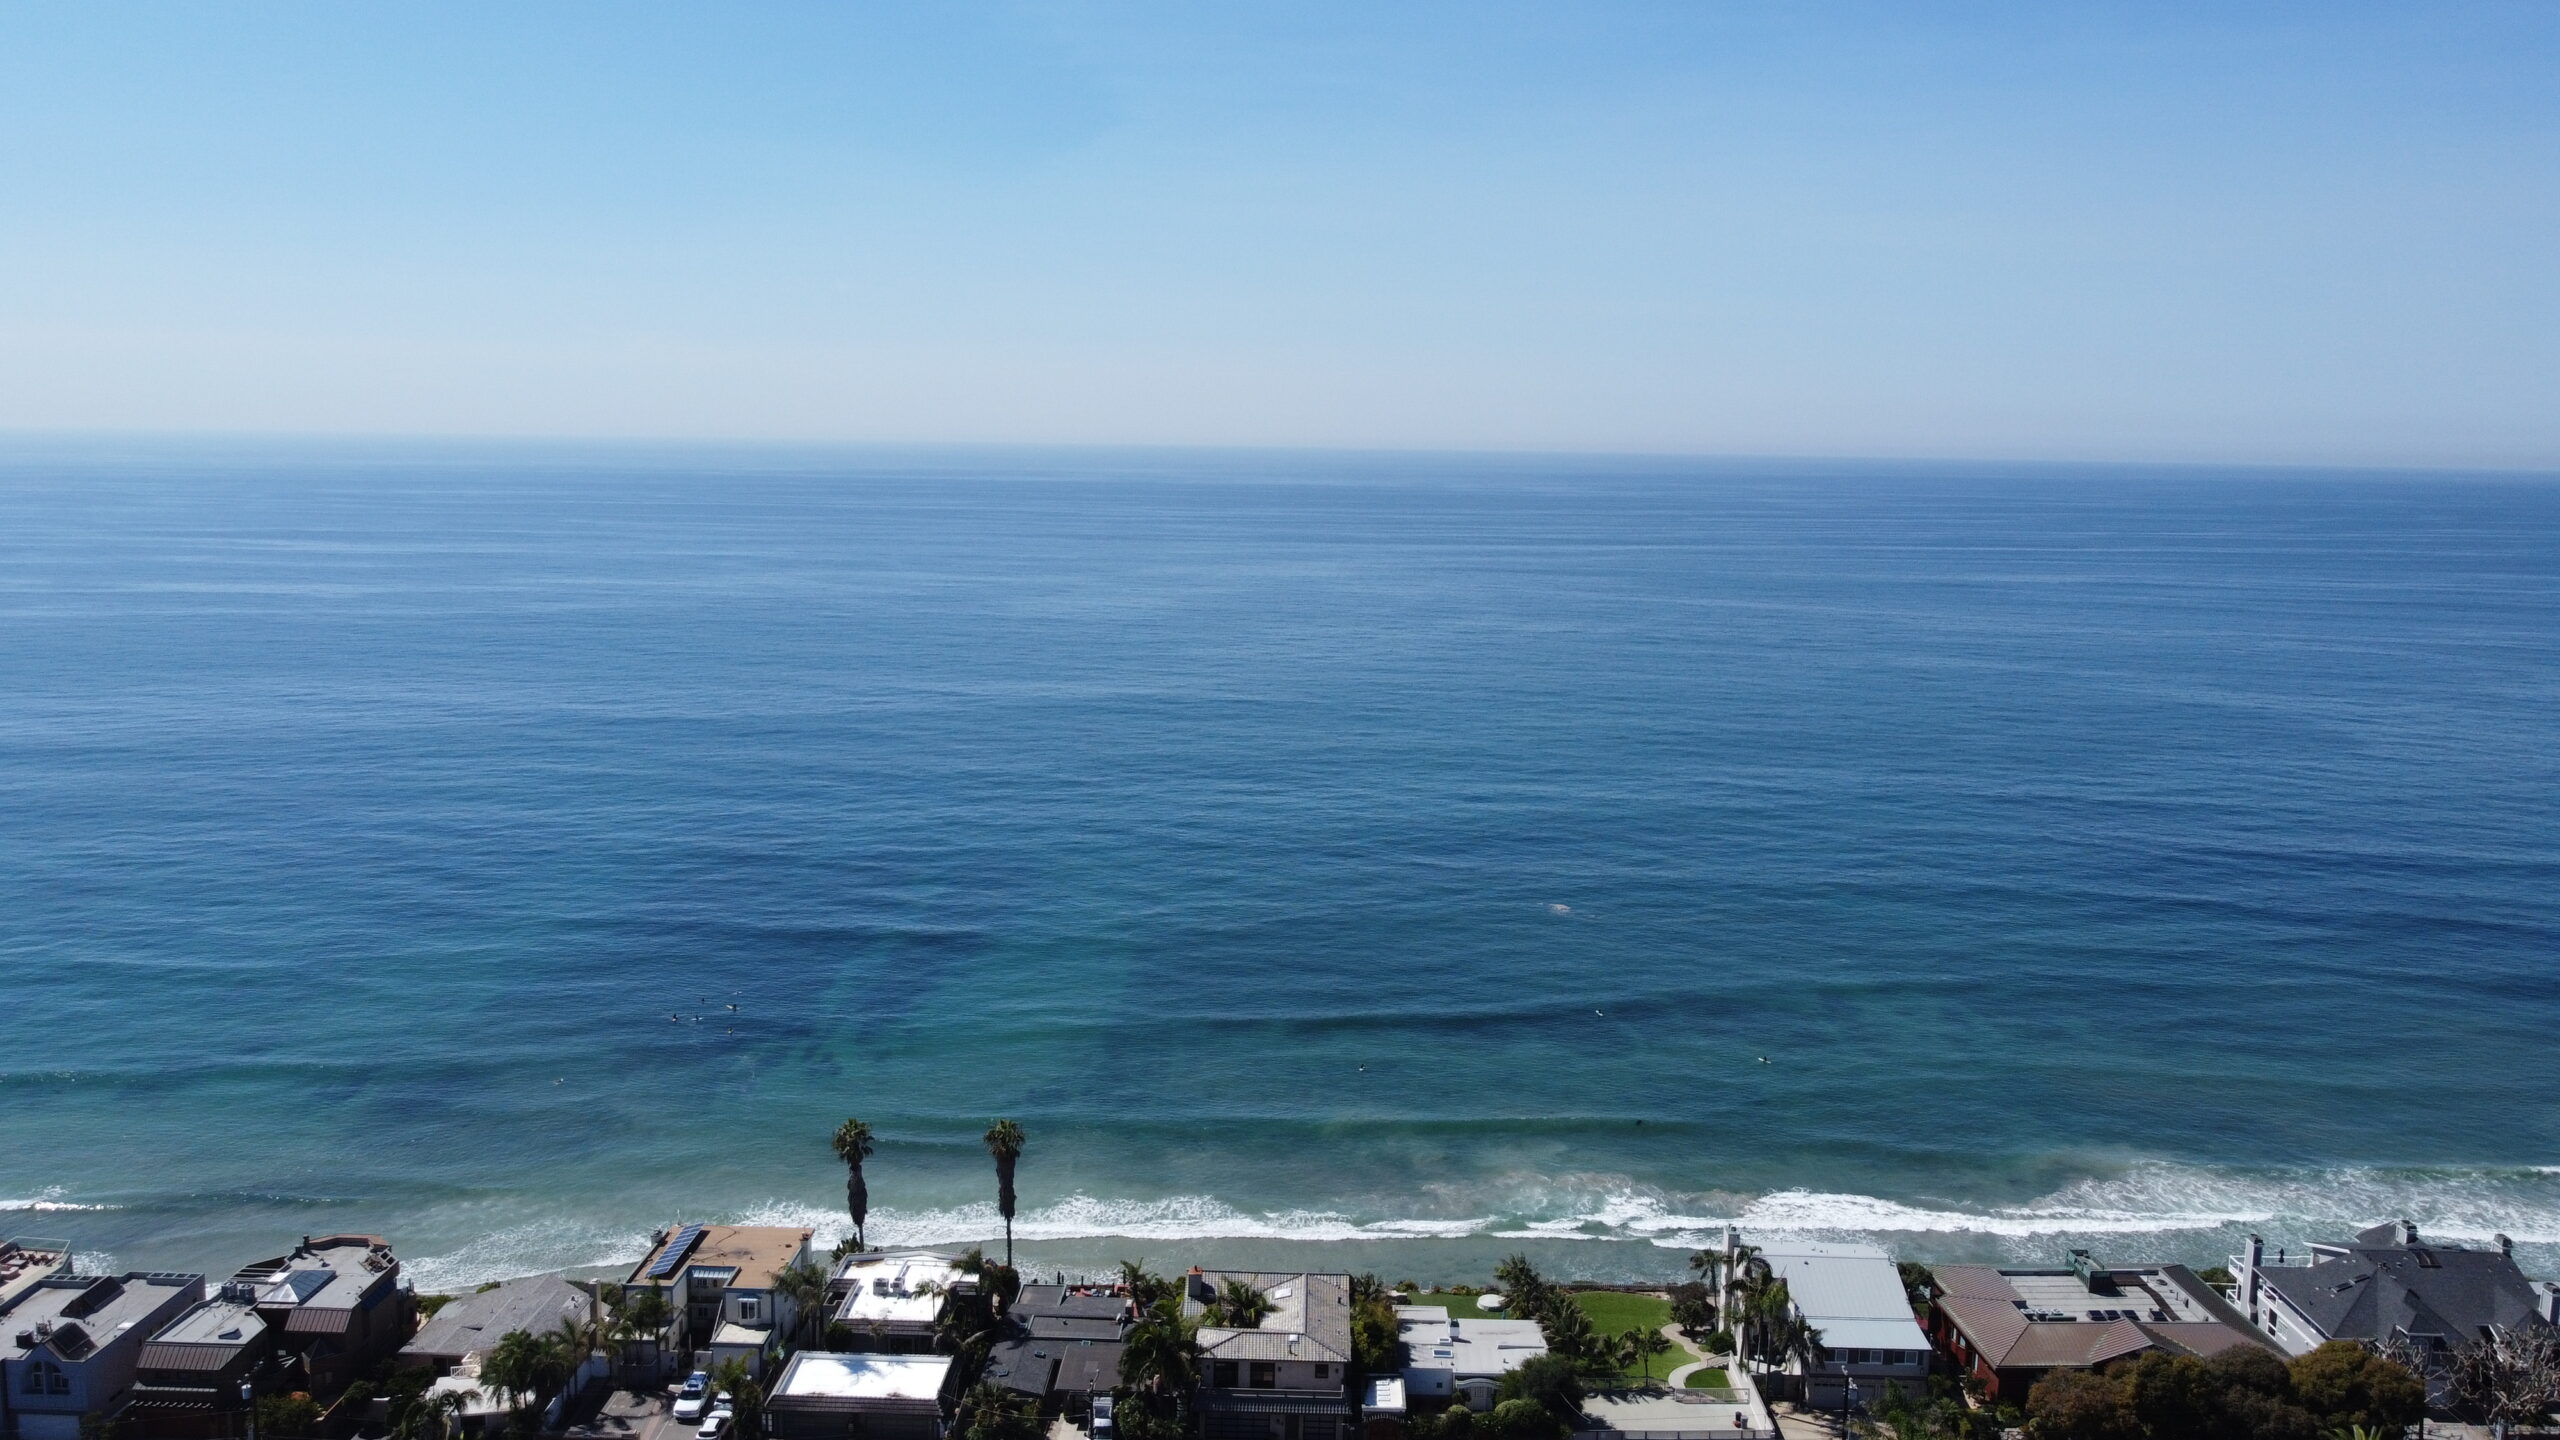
1310,1317
1021,1366
2379,1287
1056,1312
477,1322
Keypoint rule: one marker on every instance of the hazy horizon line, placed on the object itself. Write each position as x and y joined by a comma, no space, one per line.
15,436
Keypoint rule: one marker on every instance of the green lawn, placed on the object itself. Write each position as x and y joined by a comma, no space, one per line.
1611,1311
1710,1380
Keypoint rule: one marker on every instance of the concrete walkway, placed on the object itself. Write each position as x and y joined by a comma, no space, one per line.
1699,1359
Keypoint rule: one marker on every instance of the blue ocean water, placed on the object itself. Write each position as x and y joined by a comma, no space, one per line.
1390,861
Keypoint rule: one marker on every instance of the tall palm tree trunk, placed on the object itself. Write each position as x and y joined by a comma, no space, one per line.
1004,1143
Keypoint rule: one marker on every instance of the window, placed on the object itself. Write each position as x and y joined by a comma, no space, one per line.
746,1311
1222,1374
45,1378
1266,1375
1323,1371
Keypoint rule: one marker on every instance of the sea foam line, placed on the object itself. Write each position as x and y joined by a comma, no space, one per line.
2150,1198
48,1200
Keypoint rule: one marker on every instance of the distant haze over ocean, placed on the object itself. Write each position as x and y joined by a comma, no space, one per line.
1387,862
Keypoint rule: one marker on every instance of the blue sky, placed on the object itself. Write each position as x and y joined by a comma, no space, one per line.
2325,233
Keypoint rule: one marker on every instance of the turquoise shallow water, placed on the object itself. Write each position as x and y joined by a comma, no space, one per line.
1397,861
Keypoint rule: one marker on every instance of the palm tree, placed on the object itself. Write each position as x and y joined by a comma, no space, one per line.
434,1417
1741,1272
1799,1341
1760,1300
1144,1289
642,1315
1237,1306
746,1398
1710,1267
1004,1142
517,1366
853,1146
1567,1327
1649,1343
1160,1356
802,1283
999,1284
575,1339
1524,1289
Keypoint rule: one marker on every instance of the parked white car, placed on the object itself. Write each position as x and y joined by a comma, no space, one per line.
714,1425
694,1397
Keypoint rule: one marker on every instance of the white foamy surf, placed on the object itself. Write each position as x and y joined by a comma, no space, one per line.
2181,1206
47,1200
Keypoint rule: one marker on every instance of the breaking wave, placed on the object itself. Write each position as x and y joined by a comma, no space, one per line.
47,1200
2187,1208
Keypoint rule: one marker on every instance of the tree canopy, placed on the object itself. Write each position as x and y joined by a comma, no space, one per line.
2244,1393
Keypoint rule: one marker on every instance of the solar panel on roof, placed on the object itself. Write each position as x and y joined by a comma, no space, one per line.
673,1255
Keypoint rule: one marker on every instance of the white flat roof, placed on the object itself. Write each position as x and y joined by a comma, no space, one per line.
892,1288
1385,1396
1465,1346
864,1377
1851,1293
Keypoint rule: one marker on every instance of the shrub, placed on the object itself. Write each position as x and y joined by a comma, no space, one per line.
1520,1420
1547,1381
2082,1405
2344,1385
287,1417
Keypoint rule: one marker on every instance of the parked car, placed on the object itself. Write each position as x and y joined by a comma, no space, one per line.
714,1425
1102,1428
694,1397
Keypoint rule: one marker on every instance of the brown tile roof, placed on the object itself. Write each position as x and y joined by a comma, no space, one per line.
2007,1339
1974,1282
184,1357
757,1252
2203,1338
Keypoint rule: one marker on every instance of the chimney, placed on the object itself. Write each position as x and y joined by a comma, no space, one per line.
2546,1295
2249,1277
2408,1232
2506,1246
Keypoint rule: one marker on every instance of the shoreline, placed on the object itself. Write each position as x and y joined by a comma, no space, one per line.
456,1247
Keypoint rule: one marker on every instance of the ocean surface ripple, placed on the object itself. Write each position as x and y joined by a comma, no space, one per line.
1392,860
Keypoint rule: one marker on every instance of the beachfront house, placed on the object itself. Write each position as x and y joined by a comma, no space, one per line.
1287,1378
71,1348
337,1304
1460,1360
1061,1345
827,1395
718,1282
2389,1284
2010,1328
891,1301
1852,1296
204,1369
473,1324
